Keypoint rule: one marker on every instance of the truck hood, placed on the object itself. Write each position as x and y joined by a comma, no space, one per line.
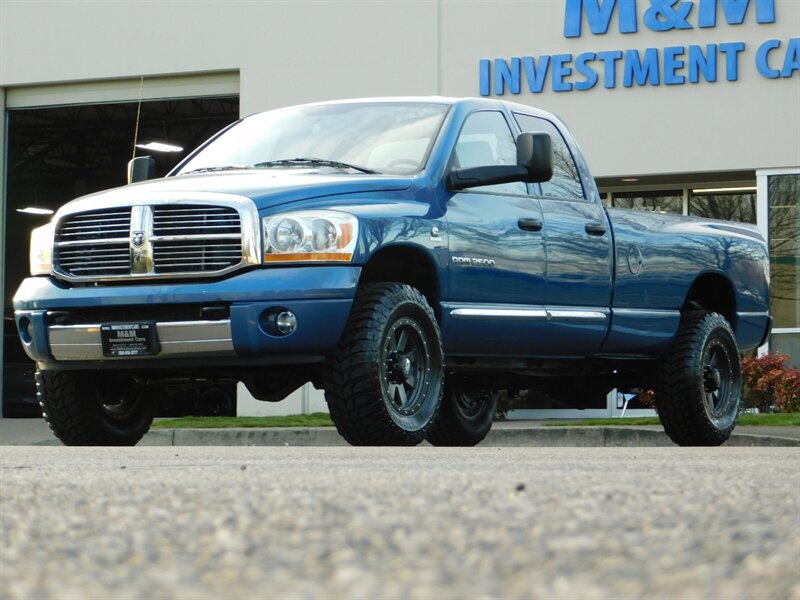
266,187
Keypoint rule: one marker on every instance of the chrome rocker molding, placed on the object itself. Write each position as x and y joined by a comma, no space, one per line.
543,314
177,339
248,214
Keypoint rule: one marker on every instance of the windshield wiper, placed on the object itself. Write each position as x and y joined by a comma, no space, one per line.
219,168
312,162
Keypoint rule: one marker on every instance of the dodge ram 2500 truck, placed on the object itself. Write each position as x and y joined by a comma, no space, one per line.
409,256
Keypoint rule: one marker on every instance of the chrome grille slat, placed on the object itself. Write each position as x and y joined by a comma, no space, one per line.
167,221
182,239
79,229
82,243
106,260
94,252
197,253
193,263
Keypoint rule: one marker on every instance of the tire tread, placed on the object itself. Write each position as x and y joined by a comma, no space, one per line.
679,391
351,379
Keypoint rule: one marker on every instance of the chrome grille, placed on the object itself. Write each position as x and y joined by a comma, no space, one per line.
95,243
158,239
195,220
96,225
196,238
208,255
108,259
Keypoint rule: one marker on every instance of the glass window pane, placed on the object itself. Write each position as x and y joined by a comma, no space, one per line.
566,183
784,248
787,343
385,136
669,201
485,140
727,207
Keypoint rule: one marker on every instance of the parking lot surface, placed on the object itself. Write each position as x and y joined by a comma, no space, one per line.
286,522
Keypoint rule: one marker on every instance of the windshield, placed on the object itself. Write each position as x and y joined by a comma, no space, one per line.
385,137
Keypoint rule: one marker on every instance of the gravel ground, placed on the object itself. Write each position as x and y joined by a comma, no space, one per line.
412,523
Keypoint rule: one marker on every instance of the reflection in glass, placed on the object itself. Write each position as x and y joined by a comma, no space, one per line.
668,201
485,140
784,249
787,343
389,137
566,182
727,207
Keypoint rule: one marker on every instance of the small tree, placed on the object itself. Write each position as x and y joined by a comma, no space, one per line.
772,385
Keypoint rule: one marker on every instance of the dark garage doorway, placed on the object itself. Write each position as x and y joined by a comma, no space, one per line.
56,154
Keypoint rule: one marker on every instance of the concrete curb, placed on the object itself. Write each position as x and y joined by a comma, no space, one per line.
532,437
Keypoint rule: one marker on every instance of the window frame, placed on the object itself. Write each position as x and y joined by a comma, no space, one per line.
540,194
480,190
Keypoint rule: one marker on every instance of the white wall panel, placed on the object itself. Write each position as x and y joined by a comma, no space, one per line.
301,51
746,124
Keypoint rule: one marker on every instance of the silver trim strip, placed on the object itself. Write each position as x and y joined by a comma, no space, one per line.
576,315
646,312
559,314
498,313
178,339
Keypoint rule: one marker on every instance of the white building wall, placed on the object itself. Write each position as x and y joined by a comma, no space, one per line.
301,51
305,400
724,126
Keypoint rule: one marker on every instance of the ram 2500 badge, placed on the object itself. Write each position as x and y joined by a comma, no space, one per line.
409,256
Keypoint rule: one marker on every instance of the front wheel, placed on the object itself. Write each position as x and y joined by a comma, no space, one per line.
90,409
699,387
384,385
466,416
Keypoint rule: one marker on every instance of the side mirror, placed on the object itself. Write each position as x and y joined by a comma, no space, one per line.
534,165
535,153
141,168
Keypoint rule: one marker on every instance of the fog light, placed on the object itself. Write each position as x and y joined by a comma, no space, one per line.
285,322
25,329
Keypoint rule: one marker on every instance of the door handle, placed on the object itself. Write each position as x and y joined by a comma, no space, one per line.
595,229
530,224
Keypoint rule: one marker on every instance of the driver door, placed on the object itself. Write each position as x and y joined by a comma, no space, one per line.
497,270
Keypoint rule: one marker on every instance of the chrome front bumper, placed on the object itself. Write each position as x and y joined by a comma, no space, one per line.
178,339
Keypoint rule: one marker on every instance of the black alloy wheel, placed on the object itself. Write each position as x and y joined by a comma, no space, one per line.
384,384
466,416
699,387
85,408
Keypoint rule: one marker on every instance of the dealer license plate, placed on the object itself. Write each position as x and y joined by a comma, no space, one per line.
129,339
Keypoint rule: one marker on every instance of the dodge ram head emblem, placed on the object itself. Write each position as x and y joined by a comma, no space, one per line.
138,239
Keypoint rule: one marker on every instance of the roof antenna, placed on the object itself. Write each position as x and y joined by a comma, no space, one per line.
138,114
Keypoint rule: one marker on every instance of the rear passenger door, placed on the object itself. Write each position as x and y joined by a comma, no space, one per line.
578,239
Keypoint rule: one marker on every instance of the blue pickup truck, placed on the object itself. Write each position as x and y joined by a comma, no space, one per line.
409,256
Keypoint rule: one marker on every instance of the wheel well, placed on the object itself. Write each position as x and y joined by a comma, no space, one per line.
404,265
715,293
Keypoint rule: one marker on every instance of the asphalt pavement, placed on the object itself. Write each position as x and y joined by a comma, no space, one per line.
418,523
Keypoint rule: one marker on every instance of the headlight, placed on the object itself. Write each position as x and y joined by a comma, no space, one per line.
41,254
314,235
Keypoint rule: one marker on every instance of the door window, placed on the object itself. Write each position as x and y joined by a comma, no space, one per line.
566,183
486,139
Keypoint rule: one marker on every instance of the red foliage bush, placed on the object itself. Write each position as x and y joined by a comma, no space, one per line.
772,384
648,398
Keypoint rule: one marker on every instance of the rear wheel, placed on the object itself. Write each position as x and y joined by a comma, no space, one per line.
466,416
384,385
700,384
91,409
